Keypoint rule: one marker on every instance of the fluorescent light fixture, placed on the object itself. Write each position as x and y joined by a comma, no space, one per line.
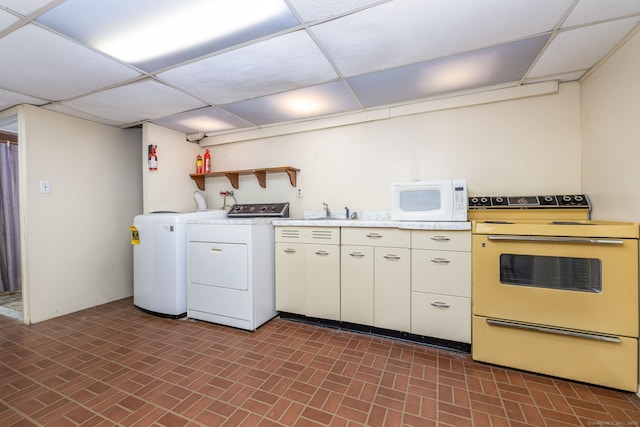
459,72
209,119
324,99
198,22
155,34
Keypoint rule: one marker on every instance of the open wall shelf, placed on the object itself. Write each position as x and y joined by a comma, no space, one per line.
260,174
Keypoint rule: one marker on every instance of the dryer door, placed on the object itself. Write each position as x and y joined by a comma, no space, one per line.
222,265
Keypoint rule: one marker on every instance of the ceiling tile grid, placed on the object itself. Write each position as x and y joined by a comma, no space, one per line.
203,66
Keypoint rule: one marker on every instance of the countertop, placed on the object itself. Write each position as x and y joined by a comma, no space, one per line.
411,225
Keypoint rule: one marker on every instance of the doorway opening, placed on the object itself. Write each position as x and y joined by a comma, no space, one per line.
10,263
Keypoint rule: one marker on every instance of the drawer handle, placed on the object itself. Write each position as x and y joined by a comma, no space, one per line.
322,253
537,328
440,261
356,254
440,304
215,251
374,235
289,251
392,257
440,238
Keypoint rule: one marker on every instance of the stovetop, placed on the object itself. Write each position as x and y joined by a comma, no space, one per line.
259,210
519,202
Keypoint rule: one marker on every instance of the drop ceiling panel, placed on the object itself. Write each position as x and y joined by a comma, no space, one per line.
408,31
324,99
142,100
252,71
9,99
60,108
25,7
579,49
486,67
590,11
130,30
54,68
6,19
209,119
311,10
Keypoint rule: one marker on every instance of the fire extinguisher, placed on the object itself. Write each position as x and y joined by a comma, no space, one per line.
153,157
198,163
207,161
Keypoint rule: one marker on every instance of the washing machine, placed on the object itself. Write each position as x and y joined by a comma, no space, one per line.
160,261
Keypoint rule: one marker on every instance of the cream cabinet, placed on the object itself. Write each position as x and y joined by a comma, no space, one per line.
441,284
308,271
376,277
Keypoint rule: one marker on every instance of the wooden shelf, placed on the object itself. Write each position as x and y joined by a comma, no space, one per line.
260,174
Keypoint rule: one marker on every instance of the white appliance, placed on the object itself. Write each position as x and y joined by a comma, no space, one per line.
231,275
160,261
429,201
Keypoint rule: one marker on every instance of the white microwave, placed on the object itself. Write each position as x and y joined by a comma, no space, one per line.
429,201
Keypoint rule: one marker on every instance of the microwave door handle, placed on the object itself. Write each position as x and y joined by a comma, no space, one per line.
579,240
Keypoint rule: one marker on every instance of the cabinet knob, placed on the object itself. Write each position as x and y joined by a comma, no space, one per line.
289,251
374,235
440,238
322,253
356,254
392,257
440,261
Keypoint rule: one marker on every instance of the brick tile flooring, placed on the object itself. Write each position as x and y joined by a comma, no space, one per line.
114,365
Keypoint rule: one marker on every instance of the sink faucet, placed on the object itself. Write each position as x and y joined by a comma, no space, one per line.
327,212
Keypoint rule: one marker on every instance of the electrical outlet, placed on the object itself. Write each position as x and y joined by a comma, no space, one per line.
45,188
298,192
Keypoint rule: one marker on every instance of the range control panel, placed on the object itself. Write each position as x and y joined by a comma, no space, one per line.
255,210
520,202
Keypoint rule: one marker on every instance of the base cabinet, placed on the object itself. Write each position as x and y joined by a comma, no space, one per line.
441,284
308,271
376,277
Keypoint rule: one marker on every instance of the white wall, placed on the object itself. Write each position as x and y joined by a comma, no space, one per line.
611,128
168,188
519,147
76,247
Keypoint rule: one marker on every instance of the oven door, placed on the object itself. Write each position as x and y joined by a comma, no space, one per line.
567,282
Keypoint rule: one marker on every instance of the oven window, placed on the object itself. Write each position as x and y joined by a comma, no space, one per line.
553,272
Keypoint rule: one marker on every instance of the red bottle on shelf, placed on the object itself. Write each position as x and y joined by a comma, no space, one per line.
207,161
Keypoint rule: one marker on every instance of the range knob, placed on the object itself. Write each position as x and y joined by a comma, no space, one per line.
483,200
578,198
566,199
499,200
474,200
548,199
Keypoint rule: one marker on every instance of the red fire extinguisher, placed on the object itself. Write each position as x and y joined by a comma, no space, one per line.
207,161
153,157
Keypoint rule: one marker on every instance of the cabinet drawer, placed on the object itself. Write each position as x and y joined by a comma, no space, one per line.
441,272
444,240
390,237
320,235
441,316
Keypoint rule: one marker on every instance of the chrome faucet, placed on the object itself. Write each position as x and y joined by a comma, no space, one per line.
327,212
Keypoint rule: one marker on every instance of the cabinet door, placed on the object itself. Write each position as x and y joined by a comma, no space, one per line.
441,316
392,289
322,281
441,272
356,284
290,274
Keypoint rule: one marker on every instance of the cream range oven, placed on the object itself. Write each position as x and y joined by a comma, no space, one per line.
554,292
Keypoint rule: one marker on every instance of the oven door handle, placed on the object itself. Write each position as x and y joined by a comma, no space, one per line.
537,328
580,240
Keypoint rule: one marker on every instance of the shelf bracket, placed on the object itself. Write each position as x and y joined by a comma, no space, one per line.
261,175
233,179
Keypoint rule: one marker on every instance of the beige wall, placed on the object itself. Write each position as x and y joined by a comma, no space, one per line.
168,188
611,128
524,146
76,248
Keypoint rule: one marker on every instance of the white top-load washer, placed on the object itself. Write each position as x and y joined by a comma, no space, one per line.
160,261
